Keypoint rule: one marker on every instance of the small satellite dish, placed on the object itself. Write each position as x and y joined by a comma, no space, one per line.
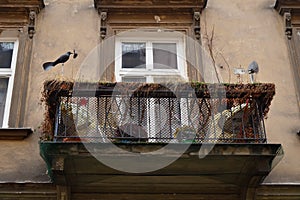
253,69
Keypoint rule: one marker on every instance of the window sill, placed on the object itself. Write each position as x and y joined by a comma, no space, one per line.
14,133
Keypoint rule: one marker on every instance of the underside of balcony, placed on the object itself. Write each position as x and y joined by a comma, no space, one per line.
228,171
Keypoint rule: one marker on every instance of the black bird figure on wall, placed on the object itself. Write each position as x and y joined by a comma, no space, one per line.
62,59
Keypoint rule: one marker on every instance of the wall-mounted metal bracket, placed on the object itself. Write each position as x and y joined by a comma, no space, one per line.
288,24
31,25
103,29
197,25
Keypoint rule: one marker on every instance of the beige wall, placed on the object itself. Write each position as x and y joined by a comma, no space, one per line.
252,30
243,31
63,25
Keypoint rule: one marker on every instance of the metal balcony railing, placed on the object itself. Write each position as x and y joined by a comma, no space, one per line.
159,116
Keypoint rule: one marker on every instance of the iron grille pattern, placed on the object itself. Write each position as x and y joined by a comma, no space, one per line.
159,119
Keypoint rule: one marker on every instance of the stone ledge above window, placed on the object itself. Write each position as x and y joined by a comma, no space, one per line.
14,133
157,4
19,14
174,14
289,6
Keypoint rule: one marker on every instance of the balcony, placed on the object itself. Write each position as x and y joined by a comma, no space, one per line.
152,113
226,122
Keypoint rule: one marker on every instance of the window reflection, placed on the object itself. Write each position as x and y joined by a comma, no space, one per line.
6,51
133,55
3,92
164,56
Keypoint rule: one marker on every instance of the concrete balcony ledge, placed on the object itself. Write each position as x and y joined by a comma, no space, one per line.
234,169
28,191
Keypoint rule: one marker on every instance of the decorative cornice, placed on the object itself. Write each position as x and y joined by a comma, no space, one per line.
289,6
111,11
152,4
19,14
283,6
197,28
103,28
290,10
31,25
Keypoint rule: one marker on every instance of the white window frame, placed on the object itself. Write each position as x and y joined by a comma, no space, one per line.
149,72
149,38
10,74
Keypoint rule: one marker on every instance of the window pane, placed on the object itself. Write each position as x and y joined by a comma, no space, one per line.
133,55
134,79
164,56
6,50
3,92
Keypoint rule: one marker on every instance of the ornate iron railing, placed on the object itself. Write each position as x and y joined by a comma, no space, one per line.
156,114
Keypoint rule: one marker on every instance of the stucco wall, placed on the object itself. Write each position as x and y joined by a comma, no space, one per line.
252,30
243,31
62,26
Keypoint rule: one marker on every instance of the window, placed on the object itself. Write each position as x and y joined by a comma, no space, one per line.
8,55
158,57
